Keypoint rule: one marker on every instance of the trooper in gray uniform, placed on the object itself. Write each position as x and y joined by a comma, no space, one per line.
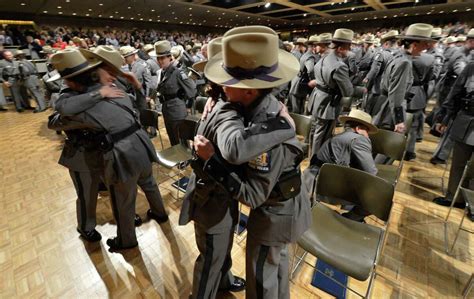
174,88
363,59
374,76
332,83
115,131
454,65
422,75
459,105
137,66
29,80
152,64
350,148
397,79
299,88
299,48
10,77
271,182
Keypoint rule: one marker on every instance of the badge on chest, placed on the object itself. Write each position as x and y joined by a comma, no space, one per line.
261,162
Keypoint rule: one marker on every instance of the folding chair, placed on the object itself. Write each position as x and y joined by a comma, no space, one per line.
149,118
303,127
468,196
349,246
392,145
177,155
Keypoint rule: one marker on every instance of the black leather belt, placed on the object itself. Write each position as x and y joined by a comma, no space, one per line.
326,90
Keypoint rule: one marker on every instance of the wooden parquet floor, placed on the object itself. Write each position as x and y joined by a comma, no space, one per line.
41,255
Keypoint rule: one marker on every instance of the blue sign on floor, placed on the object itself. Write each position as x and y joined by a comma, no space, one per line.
182,184
327,285
242,225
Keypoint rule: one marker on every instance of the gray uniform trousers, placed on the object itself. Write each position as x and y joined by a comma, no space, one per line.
461,154
3,101
445,145
87,189
32,85
268,265
413,134
15,90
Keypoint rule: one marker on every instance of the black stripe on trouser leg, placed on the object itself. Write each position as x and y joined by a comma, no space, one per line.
262,256
207,265
82,202
115,210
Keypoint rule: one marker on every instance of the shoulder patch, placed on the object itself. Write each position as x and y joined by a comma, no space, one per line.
183,75
261,163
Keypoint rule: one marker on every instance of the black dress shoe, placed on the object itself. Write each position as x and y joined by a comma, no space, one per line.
39,110
409,156
443,201
20,110
138,220
115,245
3,108
90,236
419,140
237,286
436,160
29,108
156,217
353,216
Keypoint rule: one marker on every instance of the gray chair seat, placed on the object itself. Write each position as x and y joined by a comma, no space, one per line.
349,246
170,157
387,172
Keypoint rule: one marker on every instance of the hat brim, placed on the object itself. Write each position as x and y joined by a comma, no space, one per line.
164,54
288,67
58,76
415,38
371,128
199,66
91,56
323,42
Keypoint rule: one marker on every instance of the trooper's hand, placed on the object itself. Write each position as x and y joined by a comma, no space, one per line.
111,92
440,128
365,81
132,79
400,128
203,147
284,113
208,108
312,83
7,84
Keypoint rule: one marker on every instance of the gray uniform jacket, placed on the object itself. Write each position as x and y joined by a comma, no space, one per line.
350,60
130,155
459,105
332,83
141,71
273,221
175,88
349,149
380,61
208,203
9,71
306,74
422,74
363,62
437,52
154,68
397,78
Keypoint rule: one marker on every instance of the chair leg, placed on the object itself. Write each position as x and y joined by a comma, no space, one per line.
457,232
159,136
300,259
468,287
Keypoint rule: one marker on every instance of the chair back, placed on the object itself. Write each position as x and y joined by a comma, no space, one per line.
200,103
187,130
389,143
149,118
302,123
372,193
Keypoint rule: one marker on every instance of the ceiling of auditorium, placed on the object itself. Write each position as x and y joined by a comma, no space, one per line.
230,13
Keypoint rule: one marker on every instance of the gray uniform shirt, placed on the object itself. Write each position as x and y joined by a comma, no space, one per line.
422,74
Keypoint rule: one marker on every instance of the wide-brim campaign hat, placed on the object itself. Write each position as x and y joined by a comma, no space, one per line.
461,38
451,39
148,47
177,52
301,41
370,39
214,47
437,33
251,58
48,50
325,38
312,40
107,54
470,34
197,46
360,117
418,32
19,52
126,51
343,35
70,63
162,48
392,34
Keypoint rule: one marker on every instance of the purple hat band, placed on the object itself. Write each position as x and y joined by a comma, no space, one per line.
260,73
